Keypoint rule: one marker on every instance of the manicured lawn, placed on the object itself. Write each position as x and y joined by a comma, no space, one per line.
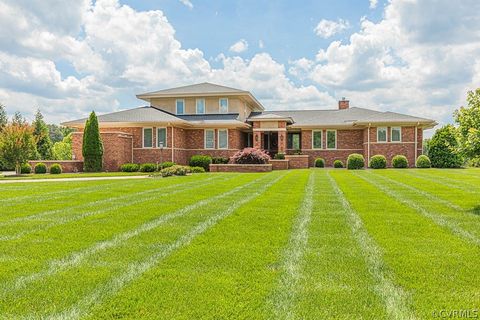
73,175
299,244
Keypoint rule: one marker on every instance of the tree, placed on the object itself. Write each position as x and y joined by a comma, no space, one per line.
3,117
40,131
17,145
58,133
18,119
92,147
468,119
62,150
444,148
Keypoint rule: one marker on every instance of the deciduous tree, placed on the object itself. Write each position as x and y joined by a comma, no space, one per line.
17,145
468,119
444,148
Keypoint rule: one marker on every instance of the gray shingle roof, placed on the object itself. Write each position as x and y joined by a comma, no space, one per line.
200,88
208,117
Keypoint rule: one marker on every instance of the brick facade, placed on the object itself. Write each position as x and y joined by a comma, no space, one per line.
68,166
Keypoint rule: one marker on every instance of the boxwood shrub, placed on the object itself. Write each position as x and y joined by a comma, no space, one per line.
148,167
338,164
355,161
423,162
378,162
400,161
200,161
40,168
25,168
130,167
220,160
197,170
167,164
55,168
319,163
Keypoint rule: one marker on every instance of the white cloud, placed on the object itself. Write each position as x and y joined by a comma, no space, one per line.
327,28
239,46
261,45
187,3
373,4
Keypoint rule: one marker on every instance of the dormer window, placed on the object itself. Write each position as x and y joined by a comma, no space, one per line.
180,106
200,103
223,105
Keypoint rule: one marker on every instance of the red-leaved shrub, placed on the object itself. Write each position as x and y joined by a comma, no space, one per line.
251,156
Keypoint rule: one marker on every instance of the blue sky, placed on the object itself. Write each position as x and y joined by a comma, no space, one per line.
71,57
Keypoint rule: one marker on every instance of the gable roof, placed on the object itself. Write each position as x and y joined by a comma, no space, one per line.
266,116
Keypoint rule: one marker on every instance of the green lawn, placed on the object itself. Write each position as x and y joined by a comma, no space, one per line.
72,175
299,244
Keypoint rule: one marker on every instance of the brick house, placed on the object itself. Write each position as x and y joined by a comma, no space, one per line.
217,120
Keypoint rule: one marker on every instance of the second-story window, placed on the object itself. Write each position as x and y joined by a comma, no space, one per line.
180,106
223,105
200,106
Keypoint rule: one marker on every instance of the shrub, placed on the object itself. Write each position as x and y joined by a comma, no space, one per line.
175,170
251,156
297,152
200,161
167,164
197,170
423,162
148,167
319,163
130,167
279,156
40,168
220,160
400,161
378,162
25,168
338,164
444,148
55,168
355,161
474,162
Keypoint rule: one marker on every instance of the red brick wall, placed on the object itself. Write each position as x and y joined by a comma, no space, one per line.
297,161
279,164
68,166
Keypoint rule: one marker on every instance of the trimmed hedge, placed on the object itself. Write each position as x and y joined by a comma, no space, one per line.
130,167
55,168
220,160
40,168
279,156
319,163
338,164
355,161
148,167
423,162
25,168
400,161
378,162
200,161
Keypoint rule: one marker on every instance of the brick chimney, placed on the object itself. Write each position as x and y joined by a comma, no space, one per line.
343,104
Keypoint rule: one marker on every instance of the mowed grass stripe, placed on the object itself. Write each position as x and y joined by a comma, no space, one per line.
284,295
444,181
131,200
136,269
76,258
395,298
435,217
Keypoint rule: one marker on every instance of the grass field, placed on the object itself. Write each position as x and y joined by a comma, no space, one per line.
72,175
299,244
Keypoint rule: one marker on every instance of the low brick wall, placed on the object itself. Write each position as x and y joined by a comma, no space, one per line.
278,164
240,167
68,166
297,161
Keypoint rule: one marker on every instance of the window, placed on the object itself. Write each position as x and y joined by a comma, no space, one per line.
382,134
223,105
180,105
223,139
293,141
209,139
331,139
317,139
147,137
396,134
200,106
161,137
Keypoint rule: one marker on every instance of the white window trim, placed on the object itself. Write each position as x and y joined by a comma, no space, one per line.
400,135
166,137
176,108
204,106
321,139
218,138
205,138
326,139
220,105
386,134
143,138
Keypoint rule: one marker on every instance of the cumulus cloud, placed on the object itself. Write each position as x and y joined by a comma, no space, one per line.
327,28
187,3
373,4
239,46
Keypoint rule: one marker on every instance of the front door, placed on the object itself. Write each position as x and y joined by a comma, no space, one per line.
270,142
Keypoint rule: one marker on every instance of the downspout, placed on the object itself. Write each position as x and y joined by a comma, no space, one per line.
368,145
173,152
416,141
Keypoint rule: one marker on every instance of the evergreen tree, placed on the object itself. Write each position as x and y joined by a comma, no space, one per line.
3,117
42,137
92,147
18,119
